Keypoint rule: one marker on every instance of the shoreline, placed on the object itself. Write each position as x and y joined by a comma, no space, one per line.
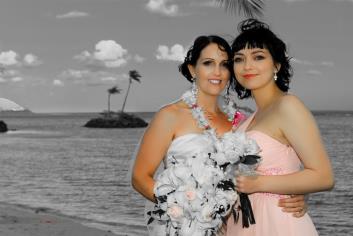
18,220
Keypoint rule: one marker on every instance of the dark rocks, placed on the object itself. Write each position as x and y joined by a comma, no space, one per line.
120,120
3,127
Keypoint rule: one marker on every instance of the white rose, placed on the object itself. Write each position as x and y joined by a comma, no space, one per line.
220,158
251,147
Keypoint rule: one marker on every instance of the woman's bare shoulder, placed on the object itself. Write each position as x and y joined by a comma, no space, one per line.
171,113
290,104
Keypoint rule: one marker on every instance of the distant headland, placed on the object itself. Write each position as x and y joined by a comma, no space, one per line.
8,106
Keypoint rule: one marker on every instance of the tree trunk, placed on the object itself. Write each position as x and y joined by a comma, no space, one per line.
127,93
108,104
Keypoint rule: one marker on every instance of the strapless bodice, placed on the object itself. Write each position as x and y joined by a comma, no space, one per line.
187,145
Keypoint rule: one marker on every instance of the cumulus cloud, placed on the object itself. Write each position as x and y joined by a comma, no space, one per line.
163,7
31,60
2,80
58,83
12,58
9,58
175,53
108,53
72,14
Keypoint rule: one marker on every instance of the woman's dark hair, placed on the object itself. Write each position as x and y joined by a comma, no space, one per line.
195,50
256,34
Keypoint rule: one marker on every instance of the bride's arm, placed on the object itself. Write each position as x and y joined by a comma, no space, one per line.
153,148
300,129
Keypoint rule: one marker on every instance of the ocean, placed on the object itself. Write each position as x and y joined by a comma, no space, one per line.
51,161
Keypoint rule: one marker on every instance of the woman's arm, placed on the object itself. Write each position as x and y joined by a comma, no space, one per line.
153,148
295,204
299,128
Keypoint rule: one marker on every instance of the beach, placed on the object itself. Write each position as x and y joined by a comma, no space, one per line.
21,221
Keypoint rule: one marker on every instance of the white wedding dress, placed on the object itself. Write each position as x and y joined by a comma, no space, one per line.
181,147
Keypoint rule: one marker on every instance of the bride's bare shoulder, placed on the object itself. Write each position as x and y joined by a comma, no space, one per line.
172,113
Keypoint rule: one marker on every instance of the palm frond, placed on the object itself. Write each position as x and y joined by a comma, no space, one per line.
250,8
114,90
135,75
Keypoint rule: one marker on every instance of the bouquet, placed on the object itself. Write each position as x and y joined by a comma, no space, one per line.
195,195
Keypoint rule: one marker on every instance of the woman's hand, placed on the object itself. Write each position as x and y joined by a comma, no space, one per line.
248,184
295,204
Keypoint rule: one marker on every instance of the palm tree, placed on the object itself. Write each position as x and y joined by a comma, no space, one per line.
250,8
112,90
133,75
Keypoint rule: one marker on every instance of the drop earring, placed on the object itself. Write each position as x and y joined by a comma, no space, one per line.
275,76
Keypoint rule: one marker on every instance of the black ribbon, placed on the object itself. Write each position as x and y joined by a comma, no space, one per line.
245,204
246,210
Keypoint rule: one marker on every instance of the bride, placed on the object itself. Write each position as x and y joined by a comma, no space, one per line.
175,132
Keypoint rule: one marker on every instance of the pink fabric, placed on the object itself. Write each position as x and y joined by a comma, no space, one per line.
277,159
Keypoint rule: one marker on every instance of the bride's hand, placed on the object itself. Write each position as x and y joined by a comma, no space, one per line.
295,204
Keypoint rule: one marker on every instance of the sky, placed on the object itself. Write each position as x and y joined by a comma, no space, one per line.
63,55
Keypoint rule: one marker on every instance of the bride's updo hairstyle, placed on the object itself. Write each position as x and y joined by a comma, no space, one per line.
256,34
195,50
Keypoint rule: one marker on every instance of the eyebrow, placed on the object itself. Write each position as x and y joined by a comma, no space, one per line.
208,58
253,52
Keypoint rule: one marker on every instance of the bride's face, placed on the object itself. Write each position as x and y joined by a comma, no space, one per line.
211,70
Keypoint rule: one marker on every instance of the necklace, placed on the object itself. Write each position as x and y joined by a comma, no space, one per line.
190,98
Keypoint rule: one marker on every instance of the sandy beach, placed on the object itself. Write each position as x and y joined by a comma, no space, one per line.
20,221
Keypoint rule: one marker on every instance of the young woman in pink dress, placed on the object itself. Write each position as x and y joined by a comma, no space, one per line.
294,160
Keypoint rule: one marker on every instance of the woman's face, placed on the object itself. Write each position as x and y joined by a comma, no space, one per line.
254,68
211,70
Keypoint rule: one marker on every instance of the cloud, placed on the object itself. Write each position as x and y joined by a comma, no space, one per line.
309,63
88,77
72,14
8,58
58,83
162,7
17,79
302,62
108,53
327,63
203,3
314,72
31,60
11,76
139,59
10,73
175,53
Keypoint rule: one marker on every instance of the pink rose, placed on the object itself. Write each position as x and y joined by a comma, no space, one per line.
190,195
175,212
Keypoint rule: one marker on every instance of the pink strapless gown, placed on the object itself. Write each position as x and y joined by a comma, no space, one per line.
277,159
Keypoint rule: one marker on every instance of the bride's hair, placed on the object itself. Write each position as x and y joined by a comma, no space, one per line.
257,34
195,50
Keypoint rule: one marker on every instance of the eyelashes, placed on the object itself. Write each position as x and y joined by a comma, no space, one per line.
223,64
242,59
